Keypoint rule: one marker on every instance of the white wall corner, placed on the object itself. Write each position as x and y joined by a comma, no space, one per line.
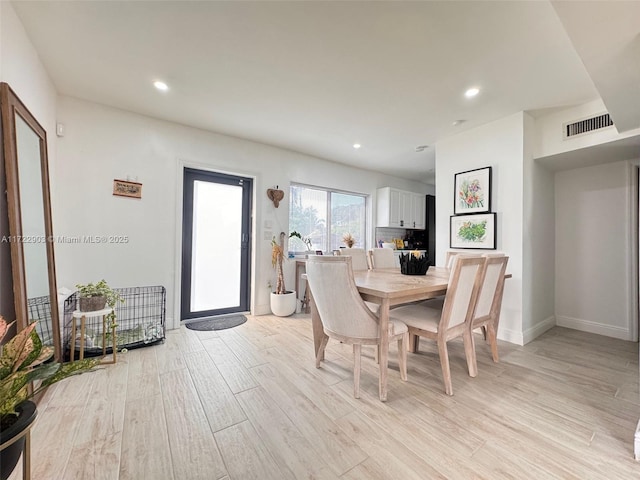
632,236
538,329
594,327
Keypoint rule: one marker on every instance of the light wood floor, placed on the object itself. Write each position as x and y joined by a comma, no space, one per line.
248,403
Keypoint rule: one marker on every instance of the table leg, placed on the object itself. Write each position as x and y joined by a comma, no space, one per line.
26,456
316,323
383,315
104,336
114,342
298,278
72,352
82,327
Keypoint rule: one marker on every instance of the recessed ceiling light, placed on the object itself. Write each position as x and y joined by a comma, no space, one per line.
472,92
356,146
455,123
161,86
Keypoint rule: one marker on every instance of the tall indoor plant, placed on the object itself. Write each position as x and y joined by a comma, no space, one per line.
283,302
23,361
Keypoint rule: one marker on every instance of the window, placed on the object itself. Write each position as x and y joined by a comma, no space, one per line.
323,216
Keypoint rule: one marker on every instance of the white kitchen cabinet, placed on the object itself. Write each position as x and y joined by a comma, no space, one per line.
400,209
419,208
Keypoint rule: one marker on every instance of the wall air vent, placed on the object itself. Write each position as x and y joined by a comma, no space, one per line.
587,125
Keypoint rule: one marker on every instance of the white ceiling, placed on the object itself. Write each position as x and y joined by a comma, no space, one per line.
316,77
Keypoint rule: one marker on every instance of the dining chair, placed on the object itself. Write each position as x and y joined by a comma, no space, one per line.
359,256
486,314
344,315
453,320
382,258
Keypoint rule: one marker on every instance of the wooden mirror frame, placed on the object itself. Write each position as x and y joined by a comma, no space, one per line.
10,107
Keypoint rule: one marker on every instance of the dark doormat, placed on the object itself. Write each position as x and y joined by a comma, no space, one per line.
217,323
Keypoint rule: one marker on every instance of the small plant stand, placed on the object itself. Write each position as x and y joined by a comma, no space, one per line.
83,317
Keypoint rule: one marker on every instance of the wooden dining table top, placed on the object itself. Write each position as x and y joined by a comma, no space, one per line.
398,288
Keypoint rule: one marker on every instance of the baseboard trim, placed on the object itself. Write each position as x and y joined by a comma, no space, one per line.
594,327
539,328
510,336
262,310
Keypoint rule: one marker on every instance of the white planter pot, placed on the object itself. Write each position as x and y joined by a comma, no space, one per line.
284,304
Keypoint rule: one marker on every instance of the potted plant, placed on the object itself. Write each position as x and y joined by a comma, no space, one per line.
22,361
283,302
95,296
348,239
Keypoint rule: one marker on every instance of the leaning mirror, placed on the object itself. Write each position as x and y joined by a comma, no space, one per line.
24,143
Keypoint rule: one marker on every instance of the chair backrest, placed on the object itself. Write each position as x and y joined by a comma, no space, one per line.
359,256
490,296
462,292
450,256
382,258
340,306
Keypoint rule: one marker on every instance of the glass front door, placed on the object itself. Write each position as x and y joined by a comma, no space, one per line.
215,244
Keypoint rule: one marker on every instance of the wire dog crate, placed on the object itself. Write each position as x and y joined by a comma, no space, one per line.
40,311
140,319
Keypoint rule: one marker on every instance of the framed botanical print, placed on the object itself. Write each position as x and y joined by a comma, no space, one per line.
472,191
476,231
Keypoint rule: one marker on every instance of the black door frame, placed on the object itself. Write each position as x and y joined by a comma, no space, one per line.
190,175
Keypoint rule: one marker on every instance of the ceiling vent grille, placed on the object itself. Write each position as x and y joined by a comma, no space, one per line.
587,125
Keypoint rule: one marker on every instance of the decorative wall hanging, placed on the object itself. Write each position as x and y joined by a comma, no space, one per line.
476,231
123,188
472,190
275,195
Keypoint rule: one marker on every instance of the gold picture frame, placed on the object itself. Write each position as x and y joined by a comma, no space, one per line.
124,188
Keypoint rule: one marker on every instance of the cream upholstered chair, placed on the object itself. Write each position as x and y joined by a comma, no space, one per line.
344,315
359,256
487,311
453,320
382,258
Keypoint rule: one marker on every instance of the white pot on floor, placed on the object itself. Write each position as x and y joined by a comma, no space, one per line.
283,304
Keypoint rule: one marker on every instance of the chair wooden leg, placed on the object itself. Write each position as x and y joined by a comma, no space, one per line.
402,355
493,341
484,332
444,363
376,354
470,353
357,350
320,353
414,343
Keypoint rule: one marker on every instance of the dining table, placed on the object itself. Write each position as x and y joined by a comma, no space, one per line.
388,287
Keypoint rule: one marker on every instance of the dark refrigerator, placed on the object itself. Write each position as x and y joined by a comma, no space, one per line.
426,239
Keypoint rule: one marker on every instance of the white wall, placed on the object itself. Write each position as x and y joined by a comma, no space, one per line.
593,249
538,269
102,144
21,68
499,144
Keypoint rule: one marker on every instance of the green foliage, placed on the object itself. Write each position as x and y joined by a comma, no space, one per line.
473,232
102,289
22,362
